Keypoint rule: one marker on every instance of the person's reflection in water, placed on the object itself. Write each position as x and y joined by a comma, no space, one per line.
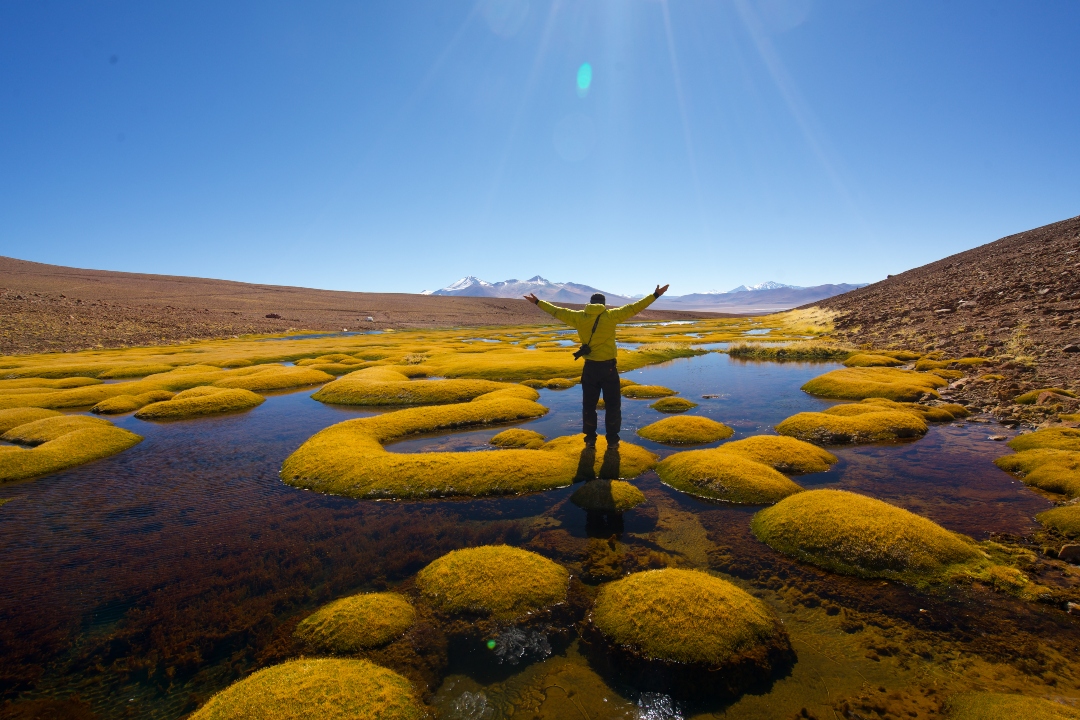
603,523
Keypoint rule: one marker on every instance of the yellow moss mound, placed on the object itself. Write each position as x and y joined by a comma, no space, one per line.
866,360
552,384
685,430
639,392
42,383
518,438
266,378
607,496
135,370
201,401
673,405
860,383
682,616
130,403
998,706
1065,519
1056,471
327,689
384,386
784,454
349,458
722,475
1049,439
356,623
20,416
930,413
866,427
857,535
1031,396
497,580
60,442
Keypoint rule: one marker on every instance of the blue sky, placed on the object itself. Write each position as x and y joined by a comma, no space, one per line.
397,146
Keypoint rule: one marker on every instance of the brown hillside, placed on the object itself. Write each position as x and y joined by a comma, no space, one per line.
52,308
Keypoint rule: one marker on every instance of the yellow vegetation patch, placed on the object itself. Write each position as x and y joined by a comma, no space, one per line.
1049,439
1031,396
327,689
865,360
1064,519
266,378
683,616
356,623
497,580
1056,471
807,350
41,383
685,430
118,372
639,392
201,401
59,442
858,535
718,474
518,438
785,454
14,417
867,427
130,403
930,413
385,386
999,706
673,405
607,496
552,384
860,383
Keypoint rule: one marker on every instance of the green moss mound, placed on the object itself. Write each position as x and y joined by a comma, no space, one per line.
866,427
1056,471
673,405
639,392
999,706
685,430
869,360
860,383
130,403
1031,396
200,401
612,496
1065,519
356,623
719,474
784,454
684,616
60,442
518,438
327,689
15,417
494,580
858,535
1048,439
385,386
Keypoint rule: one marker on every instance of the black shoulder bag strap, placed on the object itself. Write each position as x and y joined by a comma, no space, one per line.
585,349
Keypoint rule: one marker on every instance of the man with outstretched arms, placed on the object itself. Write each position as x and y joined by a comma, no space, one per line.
596,330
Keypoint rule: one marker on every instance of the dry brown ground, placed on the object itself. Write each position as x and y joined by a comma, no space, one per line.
47,308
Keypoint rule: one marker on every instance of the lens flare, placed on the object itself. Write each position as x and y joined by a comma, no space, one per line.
584,79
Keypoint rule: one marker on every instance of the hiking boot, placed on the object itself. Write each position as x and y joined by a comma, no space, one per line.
590,443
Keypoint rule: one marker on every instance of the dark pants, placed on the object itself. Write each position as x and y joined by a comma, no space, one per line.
597,377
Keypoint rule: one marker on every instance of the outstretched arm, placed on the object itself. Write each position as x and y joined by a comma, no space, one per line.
559,313
628,311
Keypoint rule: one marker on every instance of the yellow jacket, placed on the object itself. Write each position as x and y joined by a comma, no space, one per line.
603,341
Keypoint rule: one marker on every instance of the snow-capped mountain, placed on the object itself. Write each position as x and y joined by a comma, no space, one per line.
767,285
544,289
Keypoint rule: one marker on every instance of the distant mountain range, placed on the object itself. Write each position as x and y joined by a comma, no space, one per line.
768,296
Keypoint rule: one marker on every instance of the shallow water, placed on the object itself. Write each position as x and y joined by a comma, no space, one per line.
145,582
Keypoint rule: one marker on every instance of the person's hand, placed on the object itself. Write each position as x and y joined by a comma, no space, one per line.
531,297
660,290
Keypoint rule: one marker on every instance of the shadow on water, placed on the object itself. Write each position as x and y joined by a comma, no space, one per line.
143,583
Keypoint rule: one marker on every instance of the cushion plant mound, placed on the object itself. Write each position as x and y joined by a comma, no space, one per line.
719,474
673,405
198,401
1000,706
866,427
1031,396
14,417
626,382
683,616
130,403
946,412
1049,438
868,360
265,378
860,383
685,430
497,580
785,454
134,370
356,623
639,392
858,535
60,442
327,689
607,496
518,438
1064,519
382,385
349,458
40,383
552,384
1056,471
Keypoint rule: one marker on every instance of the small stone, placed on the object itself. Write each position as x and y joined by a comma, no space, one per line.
1070,553
997,438
1071,348
1072,608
